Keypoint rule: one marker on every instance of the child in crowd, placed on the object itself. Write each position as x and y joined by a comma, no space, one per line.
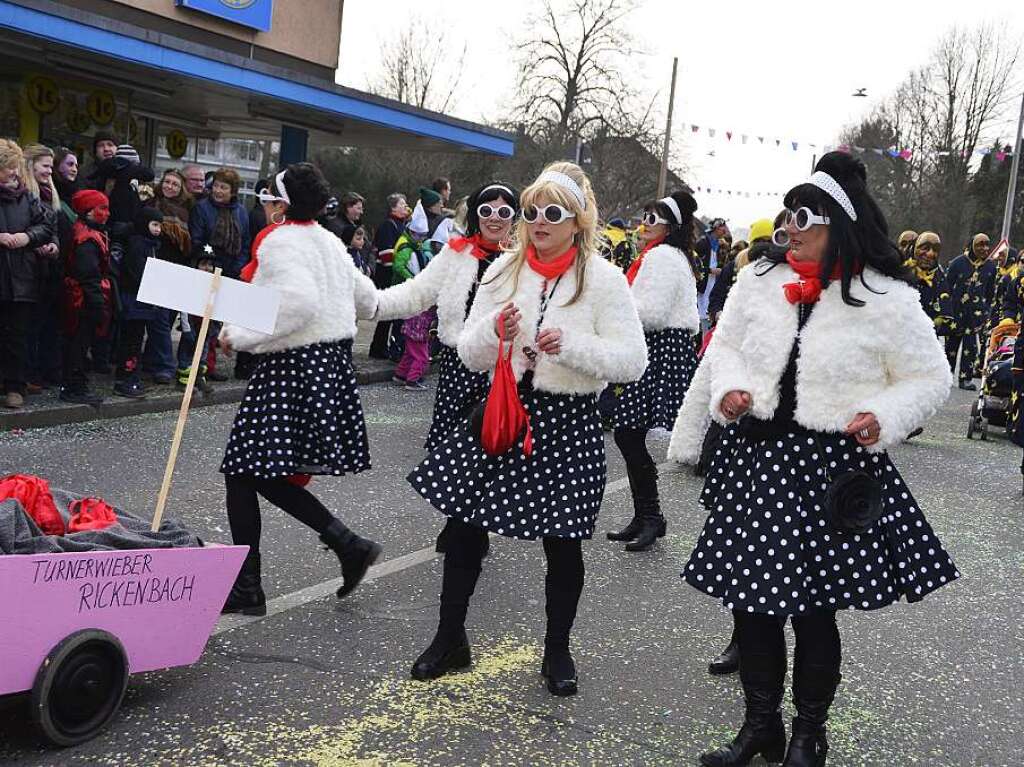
413,366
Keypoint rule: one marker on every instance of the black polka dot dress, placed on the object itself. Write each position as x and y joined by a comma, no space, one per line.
301,414
556,492
459,390
653,401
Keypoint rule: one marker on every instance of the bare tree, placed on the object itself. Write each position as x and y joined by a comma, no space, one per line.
418,68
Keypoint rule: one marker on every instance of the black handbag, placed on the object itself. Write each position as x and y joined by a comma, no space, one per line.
853,499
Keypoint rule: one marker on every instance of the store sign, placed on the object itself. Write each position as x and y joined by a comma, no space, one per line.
101,107
42,94
177,144
255,14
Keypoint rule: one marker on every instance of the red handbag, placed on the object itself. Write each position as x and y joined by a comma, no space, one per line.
91,514
505,419
33,493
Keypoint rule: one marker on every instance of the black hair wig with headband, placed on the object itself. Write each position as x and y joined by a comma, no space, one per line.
492,191
680,229
305,188
853,245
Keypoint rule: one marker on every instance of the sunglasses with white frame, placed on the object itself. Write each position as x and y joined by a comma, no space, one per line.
502,212
804,218
553,214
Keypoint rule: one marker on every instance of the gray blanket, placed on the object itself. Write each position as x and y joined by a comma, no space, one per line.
19,533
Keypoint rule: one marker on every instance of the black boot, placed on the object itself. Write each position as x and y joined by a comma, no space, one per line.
726,663
355,554
814,689
762,732
632,530
246,596
449,650
648,507
558,667
629,532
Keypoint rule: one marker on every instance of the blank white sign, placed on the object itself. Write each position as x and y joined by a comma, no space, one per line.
186,290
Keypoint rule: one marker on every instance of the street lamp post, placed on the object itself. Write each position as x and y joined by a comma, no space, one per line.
1011,190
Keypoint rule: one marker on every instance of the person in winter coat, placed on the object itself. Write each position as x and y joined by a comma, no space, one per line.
44,351
569,326
305,368
664,289
355,243
104,147
821,361
930,280
88,293
968,278
450,281
760,234
120,176
144,244
25,226
219,225
712,256
384,247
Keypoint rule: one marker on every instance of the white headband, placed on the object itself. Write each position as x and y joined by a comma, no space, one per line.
831,187
673,206
565,182
502,187
279,183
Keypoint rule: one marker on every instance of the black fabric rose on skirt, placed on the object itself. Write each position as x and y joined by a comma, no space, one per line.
853,502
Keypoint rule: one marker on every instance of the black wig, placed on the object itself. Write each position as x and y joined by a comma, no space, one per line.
489,192
680,233
853,245
308,191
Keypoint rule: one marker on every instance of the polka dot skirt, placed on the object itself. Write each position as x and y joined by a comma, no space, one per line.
654,401
767,548
301,414
459,390
556,492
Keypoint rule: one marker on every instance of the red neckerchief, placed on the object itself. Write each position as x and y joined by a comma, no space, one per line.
249,270
634,268
82,232
550,270
482,247
807,290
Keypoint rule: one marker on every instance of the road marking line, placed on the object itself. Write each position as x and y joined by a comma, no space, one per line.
309,594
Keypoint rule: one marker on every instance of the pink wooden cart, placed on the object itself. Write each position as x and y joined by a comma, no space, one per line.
74,626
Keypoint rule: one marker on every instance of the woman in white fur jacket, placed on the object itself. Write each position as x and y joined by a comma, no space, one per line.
664,287
450,282
571,326
301,414
819,363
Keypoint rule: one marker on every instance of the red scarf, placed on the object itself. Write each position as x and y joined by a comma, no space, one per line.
550,270
634,268
807,290
482,247
249,270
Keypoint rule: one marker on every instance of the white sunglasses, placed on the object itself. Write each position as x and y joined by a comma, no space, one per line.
504,212
803,219
653,219
553,214
265,197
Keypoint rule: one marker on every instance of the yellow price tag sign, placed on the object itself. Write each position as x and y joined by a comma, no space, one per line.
101,107
177,144
42,94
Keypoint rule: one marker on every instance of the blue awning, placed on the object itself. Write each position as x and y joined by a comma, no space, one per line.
338,101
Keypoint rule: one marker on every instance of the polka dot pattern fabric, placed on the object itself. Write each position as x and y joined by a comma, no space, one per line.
556,492
301,414
767,548
459,390
654,401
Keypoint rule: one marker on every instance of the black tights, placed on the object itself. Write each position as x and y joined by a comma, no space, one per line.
465,546
640,466
762,642
244,506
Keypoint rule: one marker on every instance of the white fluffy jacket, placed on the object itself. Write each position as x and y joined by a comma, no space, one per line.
881,358
665,291
322,292
602,338
446,282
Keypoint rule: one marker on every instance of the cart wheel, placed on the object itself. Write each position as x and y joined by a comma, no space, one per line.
79,687
984,430
972,422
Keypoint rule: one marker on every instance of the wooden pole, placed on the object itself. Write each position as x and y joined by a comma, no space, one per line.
663,175
1011,190
186,400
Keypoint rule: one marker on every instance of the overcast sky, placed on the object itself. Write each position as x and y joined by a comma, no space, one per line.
779,70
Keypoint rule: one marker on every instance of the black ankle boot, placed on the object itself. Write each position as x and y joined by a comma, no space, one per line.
558,667
445,653
356,554
449,650
726,663
814,689
652,524
559,670
629,532
246,596
762,732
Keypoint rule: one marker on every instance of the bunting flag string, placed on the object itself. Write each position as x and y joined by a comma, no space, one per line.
893,152
734,192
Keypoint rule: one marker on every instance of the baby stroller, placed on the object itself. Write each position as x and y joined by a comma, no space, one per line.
993,404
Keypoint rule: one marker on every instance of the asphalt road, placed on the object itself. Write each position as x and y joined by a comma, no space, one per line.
325,682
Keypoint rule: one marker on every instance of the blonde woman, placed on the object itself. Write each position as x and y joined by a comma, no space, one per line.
572,326
24,227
